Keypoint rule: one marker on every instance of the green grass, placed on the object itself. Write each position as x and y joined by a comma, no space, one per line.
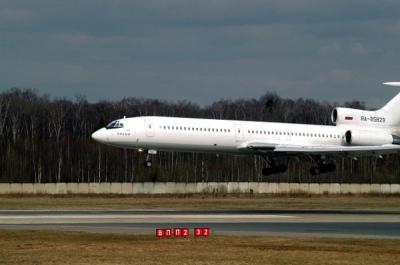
52,247
198,202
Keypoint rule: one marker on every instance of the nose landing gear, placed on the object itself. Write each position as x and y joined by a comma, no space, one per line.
147,161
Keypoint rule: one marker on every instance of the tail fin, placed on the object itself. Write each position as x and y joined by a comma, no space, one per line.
392,109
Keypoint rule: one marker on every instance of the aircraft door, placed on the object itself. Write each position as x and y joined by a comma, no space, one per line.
239,133
149,128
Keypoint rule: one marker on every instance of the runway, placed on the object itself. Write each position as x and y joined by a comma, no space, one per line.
336,223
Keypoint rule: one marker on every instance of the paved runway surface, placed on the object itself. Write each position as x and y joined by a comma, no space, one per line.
350,223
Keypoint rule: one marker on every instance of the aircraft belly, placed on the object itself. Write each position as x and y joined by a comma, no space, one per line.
198,144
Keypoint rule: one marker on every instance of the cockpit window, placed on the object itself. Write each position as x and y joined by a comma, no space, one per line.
115,125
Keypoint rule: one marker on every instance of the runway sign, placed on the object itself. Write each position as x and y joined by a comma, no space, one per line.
185,232
202,231
168,232
177,232
160,232
163,232
182,232
198,232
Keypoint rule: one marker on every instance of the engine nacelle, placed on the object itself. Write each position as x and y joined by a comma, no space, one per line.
341,116
359,137
347,116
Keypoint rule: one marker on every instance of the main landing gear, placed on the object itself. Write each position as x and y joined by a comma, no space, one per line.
147,161
322,167
272,168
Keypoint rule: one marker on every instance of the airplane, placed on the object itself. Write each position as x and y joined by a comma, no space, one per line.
354,133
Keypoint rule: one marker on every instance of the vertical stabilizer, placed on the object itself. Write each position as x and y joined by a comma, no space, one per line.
392,109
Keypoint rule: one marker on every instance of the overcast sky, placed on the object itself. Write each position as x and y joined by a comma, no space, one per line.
201,51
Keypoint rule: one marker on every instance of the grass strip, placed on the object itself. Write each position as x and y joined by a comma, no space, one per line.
198,202
54,247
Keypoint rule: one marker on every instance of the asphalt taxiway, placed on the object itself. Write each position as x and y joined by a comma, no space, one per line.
347,223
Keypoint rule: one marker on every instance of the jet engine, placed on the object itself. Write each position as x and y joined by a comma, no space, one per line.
359,137
341,116
346,116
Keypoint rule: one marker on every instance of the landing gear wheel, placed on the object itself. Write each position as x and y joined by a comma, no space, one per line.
322,168
315,171
266,171
330,167
148,163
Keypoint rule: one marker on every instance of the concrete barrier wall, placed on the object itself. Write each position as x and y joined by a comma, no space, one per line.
191,188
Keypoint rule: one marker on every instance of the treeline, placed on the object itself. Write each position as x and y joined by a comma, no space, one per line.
48,140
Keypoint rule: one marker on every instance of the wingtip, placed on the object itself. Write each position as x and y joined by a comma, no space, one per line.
392,84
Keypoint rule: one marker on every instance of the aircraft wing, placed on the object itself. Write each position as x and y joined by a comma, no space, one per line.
261,147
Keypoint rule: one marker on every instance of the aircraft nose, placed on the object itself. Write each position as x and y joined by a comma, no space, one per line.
99,136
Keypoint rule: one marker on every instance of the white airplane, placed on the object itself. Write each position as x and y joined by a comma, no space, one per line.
356,133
